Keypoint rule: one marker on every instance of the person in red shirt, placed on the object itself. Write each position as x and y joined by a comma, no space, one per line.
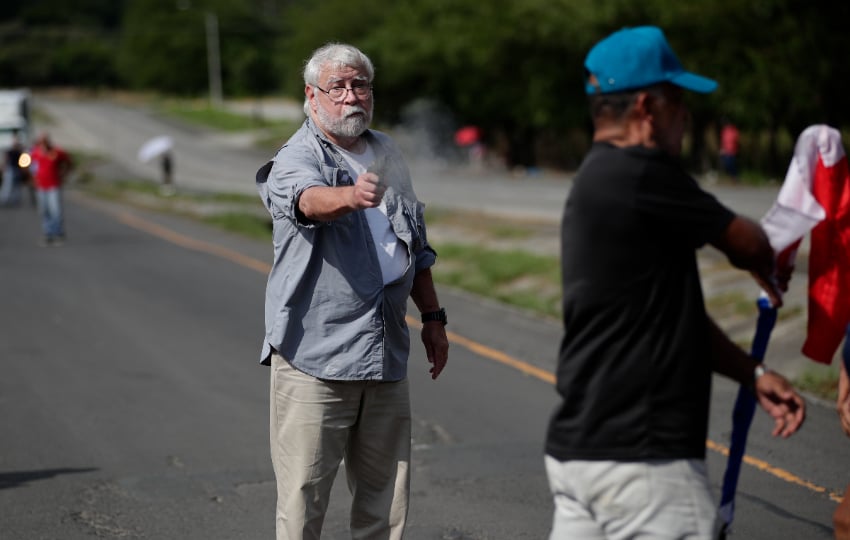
50,165
729,147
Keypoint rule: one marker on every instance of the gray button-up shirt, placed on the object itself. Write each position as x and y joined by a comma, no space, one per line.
327,309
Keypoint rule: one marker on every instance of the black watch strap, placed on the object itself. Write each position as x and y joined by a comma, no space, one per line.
438,316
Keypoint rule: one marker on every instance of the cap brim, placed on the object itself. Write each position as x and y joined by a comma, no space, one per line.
694,82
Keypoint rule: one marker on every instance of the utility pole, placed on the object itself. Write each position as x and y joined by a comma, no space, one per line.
213,52
214,59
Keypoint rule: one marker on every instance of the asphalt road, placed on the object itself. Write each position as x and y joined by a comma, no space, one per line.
133,407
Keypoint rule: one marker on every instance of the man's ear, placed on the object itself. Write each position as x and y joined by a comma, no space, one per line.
643,116
643,104
310,92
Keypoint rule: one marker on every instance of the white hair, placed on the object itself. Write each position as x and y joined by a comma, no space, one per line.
335,55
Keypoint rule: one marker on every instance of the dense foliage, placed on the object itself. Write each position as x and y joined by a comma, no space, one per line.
512,67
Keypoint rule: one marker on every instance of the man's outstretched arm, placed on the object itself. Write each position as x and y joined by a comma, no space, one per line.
746,245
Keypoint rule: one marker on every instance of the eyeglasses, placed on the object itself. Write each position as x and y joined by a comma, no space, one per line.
338,93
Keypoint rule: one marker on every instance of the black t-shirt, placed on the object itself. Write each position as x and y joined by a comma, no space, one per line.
633,371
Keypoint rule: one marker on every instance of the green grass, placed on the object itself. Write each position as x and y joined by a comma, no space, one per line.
514,277
730,303
205,115
236,213
274,139
821,381
472,221
271,134
122,189
250,225
750,177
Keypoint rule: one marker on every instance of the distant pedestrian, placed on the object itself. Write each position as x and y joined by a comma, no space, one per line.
729,148
469,139
625,452
51,165
167,164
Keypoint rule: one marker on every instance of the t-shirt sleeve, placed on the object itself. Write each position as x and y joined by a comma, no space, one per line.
681,209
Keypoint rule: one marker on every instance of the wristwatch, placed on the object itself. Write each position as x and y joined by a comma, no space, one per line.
758,372
437,316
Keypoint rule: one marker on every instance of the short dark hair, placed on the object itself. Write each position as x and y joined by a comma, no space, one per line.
611,106
614,106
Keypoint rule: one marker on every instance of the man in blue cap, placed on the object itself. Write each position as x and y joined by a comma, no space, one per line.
625,451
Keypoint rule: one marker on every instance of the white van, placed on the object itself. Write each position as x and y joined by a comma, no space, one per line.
14,117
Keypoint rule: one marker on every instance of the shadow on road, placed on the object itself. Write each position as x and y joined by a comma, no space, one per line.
22,478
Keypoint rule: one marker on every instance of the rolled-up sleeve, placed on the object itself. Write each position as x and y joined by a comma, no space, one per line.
291,174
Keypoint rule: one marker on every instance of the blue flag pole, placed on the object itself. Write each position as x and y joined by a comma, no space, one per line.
742,416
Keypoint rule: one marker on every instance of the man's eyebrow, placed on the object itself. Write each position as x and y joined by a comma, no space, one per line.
359,78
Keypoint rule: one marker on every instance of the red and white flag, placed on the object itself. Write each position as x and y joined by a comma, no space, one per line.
816,197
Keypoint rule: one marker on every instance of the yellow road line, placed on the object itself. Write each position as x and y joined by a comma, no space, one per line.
499,356
192,243
775,471
182,240
473,346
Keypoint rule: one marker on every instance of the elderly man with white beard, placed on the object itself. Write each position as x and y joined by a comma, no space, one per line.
349,249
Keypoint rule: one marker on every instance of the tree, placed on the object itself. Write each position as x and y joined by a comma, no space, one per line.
511,67
164,46
307,25
50,42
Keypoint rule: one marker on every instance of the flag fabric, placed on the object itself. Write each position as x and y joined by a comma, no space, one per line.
816,197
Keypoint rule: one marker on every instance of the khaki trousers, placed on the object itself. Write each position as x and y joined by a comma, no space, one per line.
611,500
315,424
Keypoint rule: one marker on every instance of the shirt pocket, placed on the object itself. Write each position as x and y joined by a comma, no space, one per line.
336,176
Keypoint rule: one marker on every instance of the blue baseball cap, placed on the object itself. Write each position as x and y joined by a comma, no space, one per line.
638,57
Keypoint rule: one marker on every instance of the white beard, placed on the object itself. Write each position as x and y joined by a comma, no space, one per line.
348,124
